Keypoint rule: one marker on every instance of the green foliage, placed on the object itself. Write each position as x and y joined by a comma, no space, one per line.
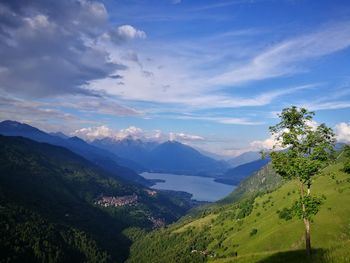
346,150
311,206
253,232
307,151
263,181
346,167
285,213
245,208
307,148
27,237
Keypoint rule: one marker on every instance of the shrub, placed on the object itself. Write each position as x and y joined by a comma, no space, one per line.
253,232
346,167
286,214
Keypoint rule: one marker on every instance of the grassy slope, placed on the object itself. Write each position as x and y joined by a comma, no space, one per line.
277,240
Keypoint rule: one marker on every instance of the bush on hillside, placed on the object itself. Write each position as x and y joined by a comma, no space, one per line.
346,167
286,214
253,232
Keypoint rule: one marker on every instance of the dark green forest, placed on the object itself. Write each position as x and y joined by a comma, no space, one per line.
48,210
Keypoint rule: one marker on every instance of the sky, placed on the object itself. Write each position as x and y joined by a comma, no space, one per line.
212,74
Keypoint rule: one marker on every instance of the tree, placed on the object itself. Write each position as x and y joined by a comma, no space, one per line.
307,149
346,150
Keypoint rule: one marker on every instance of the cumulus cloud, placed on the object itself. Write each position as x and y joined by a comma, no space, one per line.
312,124
123,33
342,131
132,132
266,144
184,137
49,47
100,132
92,133
129,32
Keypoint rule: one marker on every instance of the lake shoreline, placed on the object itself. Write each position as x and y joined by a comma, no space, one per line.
202,189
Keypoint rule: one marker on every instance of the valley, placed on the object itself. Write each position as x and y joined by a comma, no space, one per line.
66,181
171,217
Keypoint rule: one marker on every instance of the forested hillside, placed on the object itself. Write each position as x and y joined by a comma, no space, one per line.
56,205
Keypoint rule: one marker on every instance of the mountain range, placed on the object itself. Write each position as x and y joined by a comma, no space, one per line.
128,157
243,158
105,159
168,157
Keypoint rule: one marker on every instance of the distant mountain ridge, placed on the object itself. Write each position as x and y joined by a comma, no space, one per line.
235,175
243,158
123,157
119,155
169,156
107,160
129,148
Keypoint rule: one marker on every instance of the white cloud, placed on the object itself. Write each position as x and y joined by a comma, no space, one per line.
177,74
222,4
184,137
266,144
330,105
100,105
342,131
132,131
283,58
54,40
218,119
100,132
40,114
130,32
312,124
93,133
38,21
126,32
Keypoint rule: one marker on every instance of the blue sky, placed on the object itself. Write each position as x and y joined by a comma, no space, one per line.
212,74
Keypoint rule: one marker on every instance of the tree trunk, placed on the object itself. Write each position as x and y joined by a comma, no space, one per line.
306,222
307,237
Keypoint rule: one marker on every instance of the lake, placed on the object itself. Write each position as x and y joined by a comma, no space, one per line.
201,188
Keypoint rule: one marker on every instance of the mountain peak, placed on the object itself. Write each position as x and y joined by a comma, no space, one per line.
10,122
10,126
173,142
76,139
59,134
